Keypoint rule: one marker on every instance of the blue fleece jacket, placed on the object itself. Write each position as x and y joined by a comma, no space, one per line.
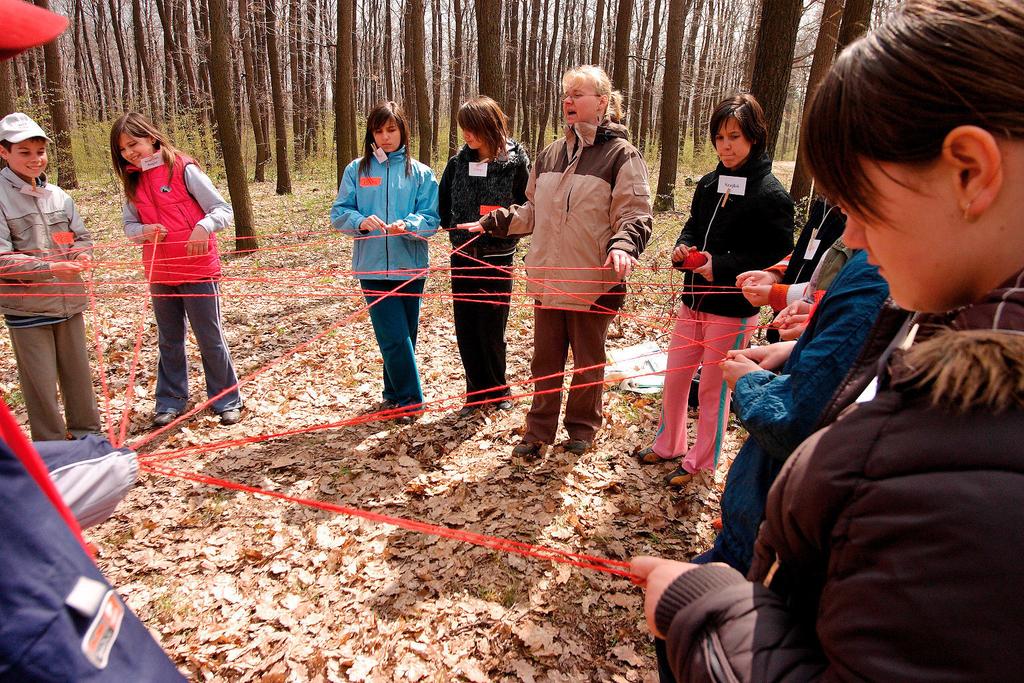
780,411
391,195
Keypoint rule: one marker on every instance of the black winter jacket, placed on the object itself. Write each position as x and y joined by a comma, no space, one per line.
462,197
751,232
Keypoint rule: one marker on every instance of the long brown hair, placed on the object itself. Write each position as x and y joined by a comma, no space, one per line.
137,126
895,94
484,118
377,119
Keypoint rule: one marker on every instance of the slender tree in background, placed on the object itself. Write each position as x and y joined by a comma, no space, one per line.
284,178
6,90
227,127
647,99
344,91
856,20
595,47
773,61
457,70
419,68
252,90
488,42
824,55
665,195
60,121
620,67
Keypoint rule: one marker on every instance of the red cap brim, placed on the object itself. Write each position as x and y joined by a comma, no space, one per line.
25,26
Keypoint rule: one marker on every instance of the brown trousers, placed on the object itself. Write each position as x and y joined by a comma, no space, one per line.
49,354
555,331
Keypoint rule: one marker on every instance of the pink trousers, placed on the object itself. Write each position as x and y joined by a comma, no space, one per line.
698,340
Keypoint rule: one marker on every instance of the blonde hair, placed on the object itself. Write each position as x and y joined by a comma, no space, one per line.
598,78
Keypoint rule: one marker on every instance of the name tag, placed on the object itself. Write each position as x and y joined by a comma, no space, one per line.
63,237
152,161
486,209
812,249
478,170
380,155
33,191
369,181
869,393
734,185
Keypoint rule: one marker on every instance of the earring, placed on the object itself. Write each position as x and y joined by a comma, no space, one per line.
967,209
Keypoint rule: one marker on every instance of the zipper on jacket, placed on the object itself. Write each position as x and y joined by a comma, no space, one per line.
387,211
51,246
718,671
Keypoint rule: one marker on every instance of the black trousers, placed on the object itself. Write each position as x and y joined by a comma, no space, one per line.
481,301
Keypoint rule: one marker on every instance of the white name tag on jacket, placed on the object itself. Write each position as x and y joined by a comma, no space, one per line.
152,161
812,249
33,191
734,185
478,170
380,155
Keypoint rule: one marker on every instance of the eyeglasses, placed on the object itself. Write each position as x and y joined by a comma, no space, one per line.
573,98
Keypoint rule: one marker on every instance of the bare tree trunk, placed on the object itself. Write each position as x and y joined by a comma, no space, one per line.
408,77
122,54
532,75
252,88
294,23
595,49
7,103
623,31
60,121
700,79
284,179
227,128
389,74
435,71
690,71
547,95
419,69
647,101
488,44
144,77
856,20
344,92
544,71
511,65
665,196
773,62
457,76
824,53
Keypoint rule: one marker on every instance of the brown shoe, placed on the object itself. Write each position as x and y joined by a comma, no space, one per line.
577,446
679,478
647,456
529,449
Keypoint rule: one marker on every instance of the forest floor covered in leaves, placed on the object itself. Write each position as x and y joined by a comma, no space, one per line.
245,587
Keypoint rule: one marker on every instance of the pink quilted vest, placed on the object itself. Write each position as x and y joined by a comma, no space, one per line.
159,199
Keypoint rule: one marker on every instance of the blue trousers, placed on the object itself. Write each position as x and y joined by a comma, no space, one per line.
395,320
203,314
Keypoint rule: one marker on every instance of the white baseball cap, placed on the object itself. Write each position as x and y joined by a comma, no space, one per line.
18,127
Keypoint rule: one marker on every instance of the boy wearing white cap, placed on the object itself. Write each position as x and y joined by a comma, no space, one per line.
44,248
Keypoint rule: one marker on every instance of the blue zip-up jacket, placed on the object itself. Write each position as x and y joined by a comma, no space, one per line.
388,193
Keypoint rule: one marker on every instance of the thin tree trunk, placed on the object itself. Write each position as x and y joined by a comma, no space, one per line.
435,84
60,121
856,20
647,103
512,65
294,23
824,53
700,81
344,93
227,128
665,196
284,180
530,101
690,72
595,49
457,76
122,54
251,90
389,73
488,44
635,97
7,102
623,31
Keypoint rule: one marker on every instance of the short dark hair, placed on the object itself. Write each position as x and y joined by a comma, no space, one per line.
748,114
7,144
895,94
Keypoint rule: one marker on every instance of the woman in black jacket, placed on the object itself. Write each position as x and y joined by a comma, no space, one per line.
891,545
741,219
490,171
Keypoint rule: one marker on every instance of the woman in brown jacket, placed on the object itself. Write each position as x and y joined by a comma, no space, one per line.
589,210
893,539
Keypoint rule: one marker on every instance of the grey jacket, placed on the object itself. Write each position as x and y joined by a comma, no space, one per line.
35,231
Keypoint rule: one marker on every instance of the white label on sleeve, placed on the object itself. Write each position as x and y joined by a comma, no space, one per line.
812,249
152,161
734,185
478,170
380,155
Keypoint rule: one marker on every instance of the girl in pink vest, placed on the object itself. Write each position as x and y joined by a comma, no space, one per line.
173,210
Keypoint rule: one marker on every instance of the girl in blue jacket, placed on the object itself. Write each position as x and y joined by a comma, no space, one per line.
388,202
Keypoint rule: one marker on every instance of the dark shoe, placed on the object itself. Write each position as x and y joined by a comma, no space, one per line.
678,478
165,417
466,411
577,446
647,456
384,406
504,404
230,416
529,449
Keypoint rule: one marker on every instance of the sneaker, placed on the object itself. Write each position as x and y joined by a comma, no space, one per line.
577,446
679,478
165,417
466,411
504,404
231,416
647,456
529,449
